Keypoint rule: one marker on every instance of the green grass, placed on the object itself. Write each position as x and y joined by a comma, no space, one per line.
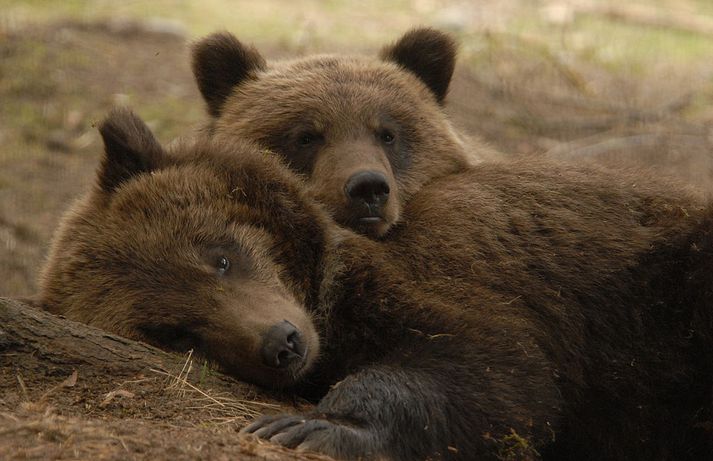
619,45
336,24
35,102
168,117
642,47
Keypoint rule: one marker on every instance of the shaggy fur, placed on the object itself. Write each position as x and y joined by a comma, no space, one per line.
128,261
332,117
521,310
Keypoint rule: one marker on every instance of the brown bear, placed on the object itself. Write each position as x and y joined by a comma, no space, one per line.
522,309
230,320
367,132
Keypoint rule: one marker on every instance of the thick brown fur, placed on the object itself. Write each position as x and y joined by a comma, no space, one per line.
331,117
520,310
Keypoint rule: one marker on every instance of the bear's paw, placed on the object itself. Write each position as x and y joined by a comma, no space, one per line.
317,433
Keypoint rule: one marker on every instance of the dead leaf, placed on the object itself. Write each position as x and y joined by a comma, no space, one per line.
70,381
119,392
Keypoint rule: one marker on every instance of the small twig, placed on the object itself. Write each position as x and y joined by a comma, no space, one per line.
70,381
23,388
512,300
431,336
123,444
191,386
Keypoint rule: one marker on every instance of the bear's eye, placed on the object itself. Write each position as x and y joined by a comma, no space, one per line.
222,265
387,136
307,139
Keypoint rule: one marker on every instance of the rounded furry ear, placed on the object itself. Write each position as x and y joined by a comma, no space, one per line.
429,54
129,149
220,62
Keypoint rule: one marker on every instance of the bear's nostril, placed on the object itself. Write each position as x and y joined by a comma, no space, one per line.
369,187
293,340
282,345
282,358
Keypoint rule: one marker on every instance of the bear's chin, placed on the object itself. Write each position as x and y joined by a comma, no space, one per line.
372,226
274,378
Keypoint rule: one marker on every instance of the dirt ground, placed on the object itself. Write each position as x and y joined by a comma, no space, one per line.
59,78
149,417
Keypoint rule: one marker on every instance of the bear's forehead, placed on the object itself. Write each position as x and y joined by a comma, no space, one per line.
343,98
175,197
206,197
354,79
170,227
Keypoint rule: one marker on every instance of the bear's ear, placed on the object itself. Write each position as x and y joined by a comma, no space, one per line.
129,149
220,62
429,54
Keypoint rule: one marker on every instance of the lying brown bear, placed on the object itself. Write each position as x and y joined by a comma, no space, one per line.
366,132
522,309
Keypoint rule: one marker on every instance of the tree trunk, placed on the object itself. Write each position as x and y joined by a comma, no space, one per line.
65,343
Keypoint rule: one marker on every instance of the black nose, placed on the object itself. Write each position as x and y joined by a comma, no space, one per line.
282,345
369,187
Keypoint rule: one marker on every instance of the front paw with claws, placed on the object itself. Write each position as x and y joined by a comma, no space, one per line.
316,433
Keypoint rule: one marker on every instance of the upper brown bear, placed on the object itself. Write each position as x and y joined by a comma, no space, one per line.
548,311
367,132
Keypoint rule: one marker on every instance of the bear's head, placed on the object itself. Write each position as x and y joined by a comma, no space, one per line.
209,247
366,132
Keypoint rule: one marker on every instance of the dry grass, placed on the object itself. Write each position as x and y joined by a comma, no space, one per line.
164,415
220,408
34,435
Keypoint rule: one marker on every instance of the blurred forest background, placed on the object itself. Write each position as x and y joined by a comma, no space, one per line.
619,83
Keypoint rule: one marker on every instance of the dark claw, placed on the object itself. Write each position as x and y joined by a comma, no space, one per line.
295,435
266,432
315,433
259,423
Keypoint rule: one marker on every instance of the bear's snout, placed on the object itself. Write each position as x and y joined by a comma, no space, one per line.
367,191
283,346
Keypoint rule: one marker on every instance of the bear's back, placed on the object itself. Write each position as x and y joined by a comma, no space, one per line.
556,243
